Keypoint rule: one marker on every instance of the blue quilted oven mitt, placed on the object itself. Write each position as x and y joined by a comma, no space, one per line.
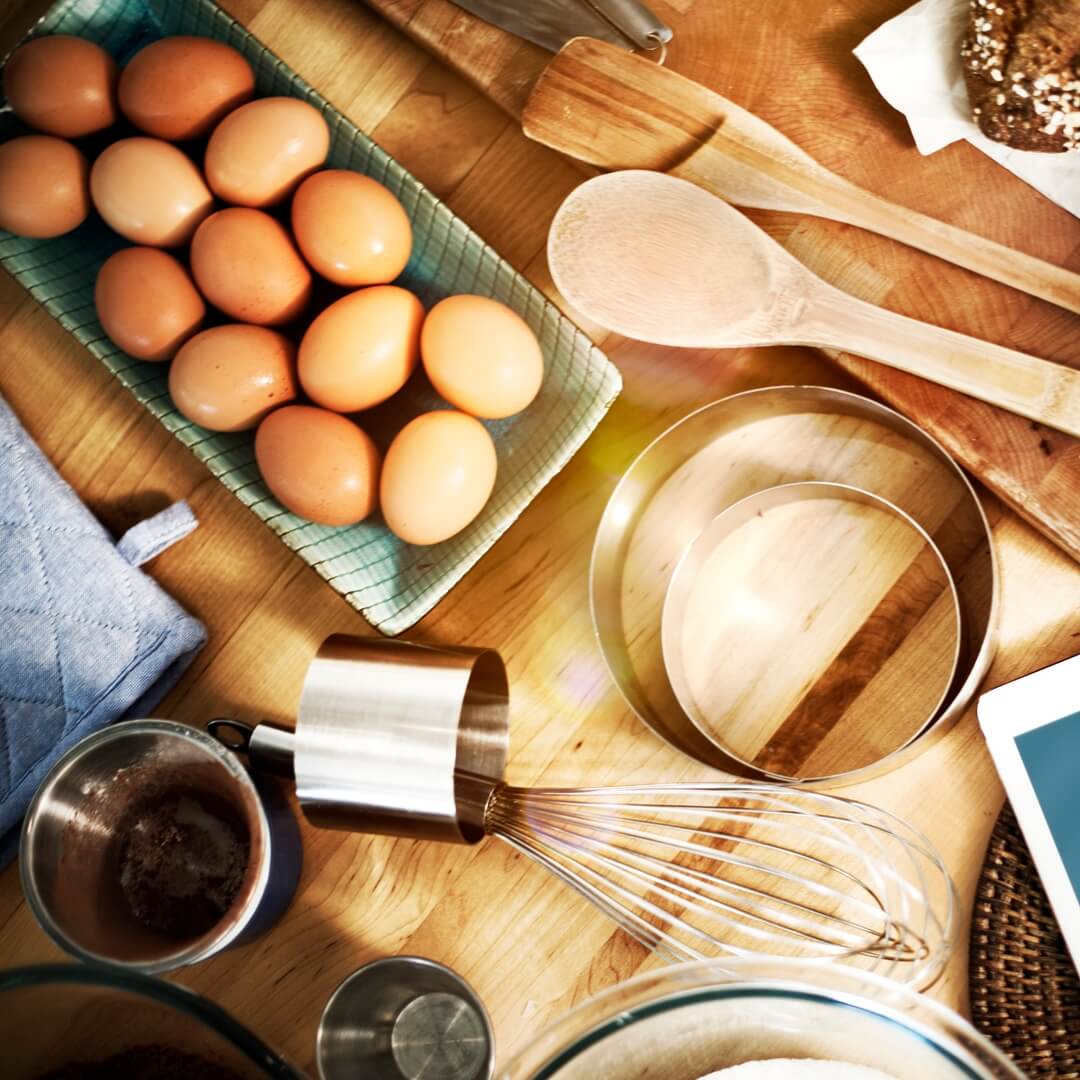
86,637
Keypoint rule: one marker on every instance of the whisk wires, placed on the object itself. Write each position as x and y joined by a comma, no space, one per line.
694,871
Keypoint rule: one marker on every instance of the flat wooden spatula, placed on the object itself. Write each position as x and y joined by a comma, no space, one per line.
615,110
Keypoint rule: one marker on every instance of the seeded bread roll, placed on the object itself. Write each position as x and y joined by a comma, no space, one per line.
1022,67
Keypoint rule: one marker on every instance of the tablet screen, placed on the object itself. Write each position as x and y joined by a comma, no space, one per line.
1051,756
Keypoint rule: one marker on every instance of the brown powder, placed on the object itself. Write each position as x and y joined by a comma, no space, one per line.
150,1062
182,856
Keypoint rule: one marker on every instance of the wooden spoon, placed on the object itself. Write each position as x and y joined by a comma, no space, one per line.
615,110
657,258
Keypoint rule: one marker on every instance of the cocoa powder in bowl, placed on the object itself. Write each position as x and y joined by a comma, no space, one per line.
157,854
182,856
149,1062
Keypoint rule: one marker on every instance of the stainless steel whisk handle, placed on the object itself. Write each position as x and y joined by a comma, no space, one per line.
273,749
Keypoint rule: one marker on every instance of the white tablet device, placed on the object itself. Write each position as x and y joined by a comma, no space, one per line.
1032,727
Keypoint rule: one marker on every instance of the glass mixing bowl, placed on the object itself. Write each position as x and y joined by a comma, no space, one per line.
61,1015
694,1019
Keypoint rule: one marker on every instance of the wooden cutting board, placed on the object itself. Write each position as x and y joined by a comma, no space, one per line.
791,62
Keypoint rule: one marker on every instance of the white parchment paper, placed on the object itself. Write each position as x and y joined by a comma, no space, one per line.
914,61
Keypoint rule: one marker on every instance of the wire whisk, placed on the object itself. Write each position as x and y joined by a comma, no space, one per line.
695,871
406,741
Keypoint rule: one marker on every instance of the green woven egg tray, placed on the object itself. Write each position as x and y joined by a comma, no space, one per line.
392,583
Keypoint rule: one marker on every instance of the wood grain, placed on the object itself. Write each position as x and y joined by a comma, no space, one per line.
795,70
912,629
529,946
850,605
505,67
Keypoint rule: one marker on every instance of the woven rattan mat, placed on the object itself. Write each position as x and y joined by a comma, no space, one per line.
1025,994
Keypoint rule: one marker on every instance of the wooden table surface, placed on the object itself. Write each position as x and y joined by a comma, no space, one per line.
529,946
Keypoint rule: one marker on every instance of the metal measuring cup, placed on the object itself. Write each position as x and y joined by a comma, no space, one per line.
391,737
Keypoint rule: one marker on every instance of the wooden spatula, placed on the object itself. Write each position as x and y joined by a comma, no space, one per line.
616,110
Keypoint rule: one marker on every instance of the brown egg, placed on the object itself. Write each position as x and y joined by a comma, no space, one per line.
180,87
43,186
481,356
62,85
245,264
147,303
318,464
261,151
438,475
350,228
361,349
229,377
149,191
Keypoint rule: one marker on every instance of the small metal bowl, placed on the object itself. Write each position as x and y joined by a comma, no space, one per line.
104,790
405,1018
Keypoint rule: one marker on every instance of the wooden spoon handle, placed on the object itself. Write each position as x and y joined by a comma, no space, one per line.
1026,385
752,167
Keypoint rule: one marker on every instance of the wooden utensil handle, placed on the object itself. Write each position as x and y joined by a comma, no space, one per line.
741,165
987,257
1038,389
